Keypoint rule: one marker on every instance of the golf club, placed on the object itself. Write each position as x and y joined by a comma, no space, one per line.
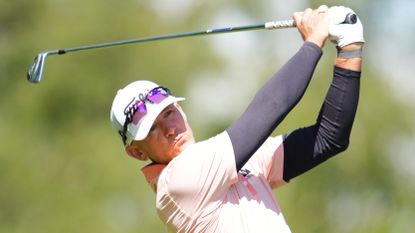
34,74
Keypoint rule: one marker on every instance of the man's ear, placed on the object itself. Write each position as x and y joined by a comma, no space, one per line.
135,152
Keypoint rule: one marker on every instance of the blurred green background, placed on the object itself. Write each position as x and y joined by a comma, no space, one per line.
63,168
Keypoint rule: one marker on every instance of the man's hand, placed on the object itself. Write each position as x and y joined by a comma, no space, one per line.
344,34
313,25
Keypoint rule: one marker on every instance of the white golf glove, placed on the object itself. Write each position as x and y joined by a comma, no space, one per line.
340,33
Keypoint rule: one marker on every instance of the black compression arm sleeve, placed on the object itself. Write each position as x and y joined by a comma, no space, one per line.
272,103
307,147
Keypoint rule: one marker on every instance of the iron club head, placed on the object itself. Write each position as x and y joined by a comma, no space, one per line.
34,74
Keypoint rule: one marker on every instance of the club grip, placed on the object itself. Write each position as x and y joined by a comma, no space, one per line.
351,18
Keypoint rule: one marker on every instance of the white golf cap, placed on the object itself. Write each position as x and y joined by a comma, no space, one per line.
126,98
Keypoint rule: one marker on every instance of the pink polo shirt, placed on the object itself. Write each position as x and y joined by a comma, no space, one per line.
201,191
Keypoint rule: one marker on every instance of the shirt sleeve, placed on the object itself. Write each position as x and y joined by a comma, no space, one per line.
269,161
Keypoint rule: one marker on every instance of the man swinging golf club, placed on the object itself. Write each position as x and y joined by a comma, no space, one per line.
224,183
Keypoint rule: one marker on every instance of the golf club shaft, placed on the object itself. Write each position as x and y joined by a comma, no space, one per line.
282,24
350,19
34,74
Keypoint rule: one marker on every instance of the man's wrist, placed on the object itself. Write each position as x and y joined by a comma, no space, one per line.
350,56
354,64
352,53
352,46
319,42
353,50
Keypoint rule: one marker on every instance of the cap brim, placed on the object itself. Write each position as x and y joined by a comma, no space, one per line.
152,113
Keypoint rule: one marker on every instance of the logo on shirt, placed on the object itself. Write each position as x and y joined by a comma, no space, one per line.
245,173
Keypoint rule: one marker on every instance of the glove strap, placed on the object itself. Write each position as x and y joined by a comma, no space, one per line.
345,54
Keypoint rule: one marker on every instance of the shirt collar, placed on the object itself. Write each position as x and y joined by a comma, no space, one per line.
151,173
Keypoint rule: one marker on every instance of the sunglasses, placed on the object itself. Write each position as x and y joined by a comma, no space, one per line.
136,111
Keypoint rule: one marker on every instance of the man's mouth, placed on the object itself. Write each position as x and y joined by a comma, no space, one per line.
181,140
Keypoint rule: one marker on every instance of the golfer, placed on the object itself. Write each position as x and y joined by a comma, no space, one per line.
224,183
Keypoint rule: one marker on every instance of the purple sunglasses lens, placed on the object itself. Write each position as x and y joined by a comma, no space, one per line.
140,113
157,95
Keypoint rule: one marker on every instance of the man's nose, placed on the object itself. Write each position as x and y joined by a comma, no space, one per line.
170,129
